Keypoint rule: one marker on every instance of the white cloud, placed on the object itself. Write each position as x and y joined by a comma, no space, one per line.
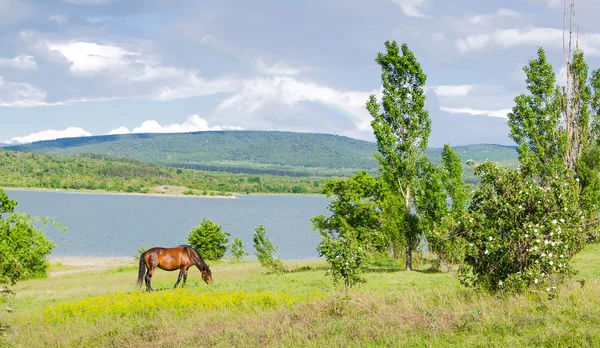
285,90
452,90
193,123
59,19
120,130
50,134
142,76
493,113
507,38
411,7
22,62
88,57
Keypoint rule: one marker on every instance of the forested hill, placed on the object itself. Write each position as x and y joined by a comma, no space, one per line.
254,152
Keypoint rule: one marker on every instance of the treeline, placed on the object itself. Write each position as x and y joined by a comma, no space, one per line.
104,172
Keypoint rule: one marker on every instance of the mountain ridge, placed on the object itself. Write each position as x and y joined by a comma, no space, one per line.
254,152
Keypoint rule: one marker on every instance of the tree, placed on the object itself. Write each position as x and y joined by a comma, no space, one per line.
23,247
354,203
209,239
558,127
265,250
344,254
402,130
238,249
442,204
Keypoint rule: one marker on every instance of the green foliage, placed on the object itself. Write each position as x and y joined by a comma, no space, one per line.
402,130
344,254
521,234
352,231
442,220
237,249
558,127
23,246
209,239
102,172
353,202
250,152
265,250
253,152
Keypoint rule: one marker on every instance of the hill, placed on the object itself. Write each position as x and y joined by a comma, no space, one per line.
252,152
109,173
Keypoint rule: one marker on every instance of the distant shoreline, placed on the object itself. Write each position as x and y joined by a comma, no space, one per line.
103,192
157,194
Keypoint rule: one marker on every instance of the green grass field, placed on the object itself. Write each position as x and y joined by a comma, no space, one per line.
246,306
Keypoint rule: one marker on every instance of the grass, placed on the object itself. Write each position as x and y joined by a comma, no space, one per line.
246,306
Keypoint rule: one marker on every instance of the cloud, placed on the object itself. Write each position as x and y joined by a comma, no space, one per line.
21,62
497,113
89,57
50,134
507,38
285,90
120,130
193,123
17,94
140,76
411,7
59,19
452,90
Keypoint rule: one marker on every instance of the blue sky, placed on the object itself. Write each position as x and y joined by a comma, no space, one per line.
92,67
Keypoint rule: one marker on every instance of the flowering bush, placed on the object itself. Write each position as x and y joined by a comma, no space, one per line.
344,254
521,234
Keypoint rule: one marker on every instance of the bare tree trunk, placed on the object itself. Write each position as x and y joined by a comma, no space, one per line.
409,257
408,240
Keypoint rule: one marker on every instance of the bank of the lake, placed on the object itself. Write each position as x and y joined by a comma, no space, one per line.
156,193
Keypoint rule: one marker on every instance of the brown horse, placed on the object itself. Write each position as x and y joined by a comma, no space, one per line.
170,259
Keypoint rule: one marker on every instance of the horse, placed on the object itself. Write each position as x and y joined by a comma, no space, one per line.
170,259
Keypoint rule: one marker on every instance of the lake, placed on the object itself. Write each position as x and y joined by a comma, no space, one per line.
104,225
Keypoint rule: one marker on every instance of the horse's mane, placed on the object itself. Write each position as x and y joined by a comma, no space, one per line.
198,258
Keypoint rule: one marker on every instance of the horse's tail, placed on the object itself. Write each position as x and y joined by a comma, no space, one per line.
142,269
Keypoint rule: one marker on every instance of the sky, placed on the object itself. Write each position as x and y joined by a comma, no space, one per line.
93,67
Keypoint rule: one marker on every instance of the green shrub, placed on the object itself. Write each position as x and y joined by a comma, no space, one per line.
521,234
343,253
23,247
209,239
237,249
265,250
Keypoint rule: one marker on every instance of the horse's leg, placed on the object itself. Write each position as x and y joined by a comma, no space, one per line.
185,276
149,278
179,278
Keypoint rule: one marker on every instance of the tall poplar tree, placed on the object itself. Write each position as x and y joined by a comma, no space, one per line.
402,127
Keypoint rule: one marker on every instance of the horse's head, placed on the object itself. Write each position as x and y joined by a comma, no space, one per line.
207,275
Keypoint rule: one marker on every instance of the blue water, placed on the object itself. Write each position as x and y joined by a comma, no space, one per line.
118,225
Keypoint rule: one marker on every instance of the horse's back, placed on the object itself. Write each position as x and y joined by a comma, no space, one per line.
168,258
